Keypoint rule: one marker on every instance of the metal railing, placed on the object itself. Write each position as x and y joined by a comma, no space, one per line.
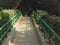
7,26
49,33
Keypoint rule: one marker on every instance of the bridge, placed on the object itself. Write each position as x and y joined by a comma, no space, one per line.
27,30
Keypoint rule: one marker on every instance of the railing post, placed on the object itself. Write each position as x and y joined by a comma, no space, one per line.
49,37
6,30
0,36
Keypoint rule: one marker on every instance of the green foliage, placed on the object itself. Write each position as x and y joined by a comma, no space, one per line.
53,21
11,13
6,15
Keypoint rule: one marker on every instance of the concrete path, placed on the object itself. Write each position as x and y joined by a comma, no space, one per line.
24,33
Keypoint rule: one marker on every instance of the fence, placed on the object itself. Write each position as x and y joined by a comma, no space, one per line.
7,26
49,33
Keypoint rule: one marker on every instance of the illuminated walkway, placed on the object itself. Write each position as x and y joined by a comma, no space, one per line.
24,33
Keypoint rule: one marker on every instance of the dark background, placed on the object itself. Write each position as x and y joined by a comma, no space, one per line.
51,6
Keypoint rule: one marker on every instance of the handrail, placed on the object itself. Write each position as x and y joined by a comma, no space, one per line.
45,25
12,21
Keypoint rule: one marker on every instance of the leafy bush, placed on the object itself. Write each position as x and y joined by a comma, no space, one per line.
11,13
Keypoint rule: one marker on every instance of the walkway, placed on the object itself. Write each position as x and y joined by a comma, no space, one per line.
24,33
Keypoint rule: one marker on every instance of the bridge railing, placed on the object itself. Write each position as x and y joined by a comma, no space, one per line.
49,33
8,25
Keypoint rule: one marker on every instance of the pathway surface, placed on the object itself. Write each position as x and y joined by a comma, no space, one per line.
24,33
